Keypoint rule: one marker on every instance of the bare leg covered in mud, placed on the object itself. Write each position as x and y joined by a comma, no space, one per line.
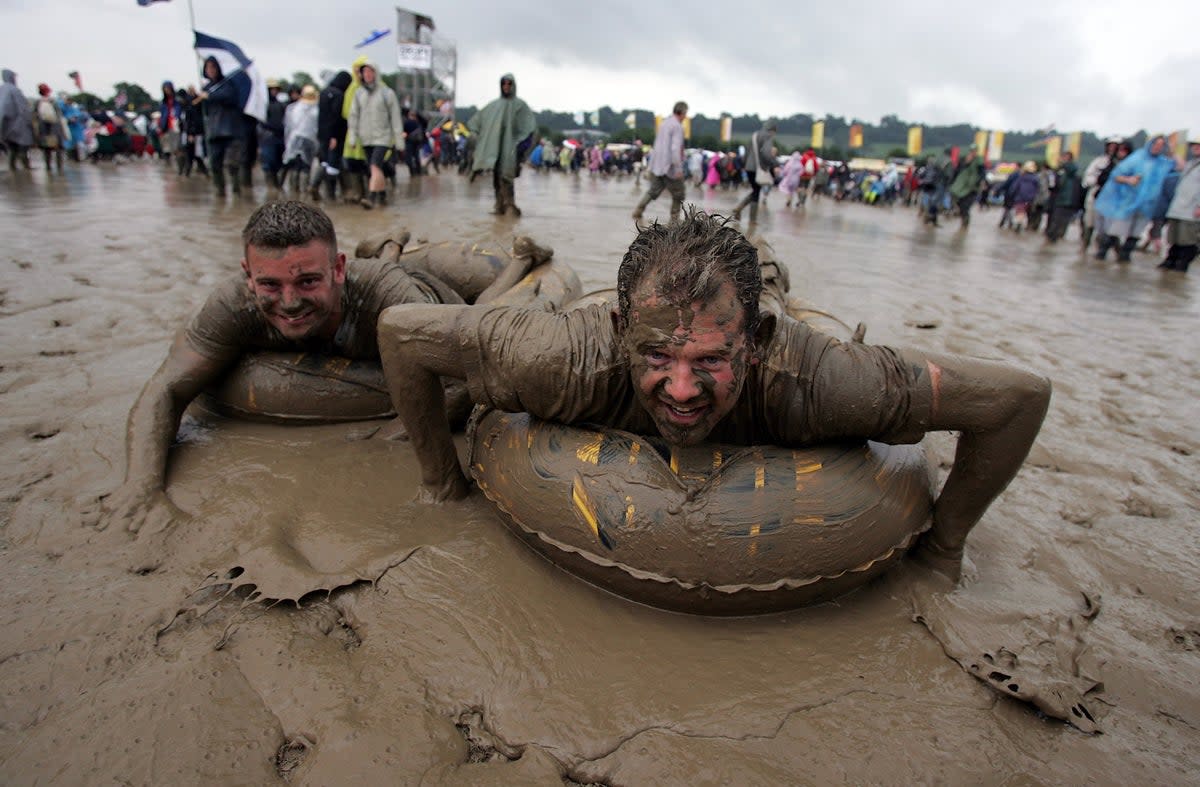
461,270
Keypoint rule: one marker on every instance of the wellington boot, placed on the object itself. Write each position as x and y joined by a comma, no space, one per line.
754,213
1105,243
1124,254
218,181
351,188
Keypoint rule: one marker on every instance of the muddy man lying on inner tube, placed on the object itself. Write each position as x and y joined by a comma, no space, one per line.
688,356
297,293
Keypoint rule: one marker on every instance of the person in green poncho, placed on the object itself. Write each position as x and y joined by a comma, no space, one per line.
503,132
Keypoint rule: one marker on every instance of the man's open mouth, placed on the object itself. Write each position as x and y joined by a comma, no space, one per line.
685,414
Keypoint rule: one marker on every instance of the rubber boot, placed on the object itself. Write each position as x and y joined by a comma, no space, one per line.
753,212
364,194
501,204
294,185
1105,243
330,187
510,197
218,181
641,206
1126,249
737,212
1087,236
235,180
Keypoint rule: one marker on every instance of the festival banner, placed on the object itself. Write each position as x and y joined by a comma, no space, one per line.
856,136
687,128
631,120
1178,143
1053,150
594,118
981,140
818,135
996,147
657,122
1075,143
914,140
78,80
726,128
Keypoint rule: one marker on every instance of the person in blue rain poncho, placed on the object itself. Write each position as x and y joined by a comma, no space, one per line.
1126,203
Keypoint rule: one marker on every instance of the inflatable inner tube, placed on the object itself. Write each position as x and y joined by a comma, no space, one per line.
713,529
308,388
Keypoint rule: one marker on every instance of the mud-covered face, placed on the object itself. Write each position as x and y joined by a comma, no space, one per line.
688,363
298,289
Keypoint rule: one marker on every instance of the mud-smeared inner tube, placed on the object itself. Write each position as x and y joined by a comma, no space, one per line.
712,530
309,388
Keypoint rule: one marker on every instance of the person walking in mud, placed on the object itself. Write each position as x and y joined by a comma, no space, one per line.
503,133
687,355
295,292
375,123
16,121
666,163
760,158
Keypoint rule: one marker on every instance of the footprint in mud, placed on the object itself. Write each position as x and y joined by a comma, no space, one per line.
1184,638
290,755
23,264
1138,506
80,279
56,353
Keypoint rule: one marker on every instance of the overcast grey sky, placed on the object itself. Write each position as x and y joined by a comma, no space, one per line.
1098,65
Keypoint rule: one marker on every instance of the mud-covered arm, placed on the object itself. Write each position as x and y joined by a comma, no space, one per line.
152,424
418,345
997,409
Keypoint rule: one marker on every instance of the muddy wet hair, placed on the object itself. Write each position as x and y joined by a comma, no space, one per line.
287,223
689,261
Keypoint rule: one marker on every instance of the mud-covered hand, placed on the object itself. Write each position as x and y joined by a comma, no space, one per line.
142,508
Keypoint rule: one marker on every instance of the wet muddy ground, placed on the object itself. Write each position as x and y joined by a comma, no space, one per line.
438,649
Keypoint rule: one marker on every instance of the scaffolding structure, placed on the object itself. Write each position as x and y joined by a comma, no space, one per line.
427,62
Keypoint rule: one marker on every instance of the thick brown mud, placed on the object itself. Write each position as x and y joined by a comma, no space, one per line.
429,645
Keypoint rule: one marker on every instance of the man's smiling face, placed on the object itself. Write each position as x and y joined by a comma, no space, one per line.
688,362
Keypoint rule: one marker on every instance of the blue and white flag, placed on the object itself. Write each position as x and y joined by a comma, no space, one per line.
145,3
375,36
238,70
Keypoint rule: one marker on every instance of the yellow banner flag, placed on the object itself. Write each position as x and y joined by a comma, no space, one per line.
996,146
914,140
726,128
818,135
981,140
657,123
1178,143
1075,143
1053,151
687,128
856,136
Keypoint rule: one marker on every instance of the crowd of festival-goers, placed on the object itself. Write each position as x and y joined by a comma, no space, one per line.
1122,202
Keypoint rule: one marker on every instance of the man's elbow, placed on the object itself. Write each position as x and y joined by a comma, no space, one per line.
1032,394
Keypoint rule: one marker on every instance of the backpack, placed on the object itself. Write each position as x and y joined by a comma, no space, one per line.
47,112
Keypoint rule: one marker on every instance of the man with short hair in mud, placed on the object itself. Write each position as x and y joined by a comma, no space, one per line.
688,355
295,292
